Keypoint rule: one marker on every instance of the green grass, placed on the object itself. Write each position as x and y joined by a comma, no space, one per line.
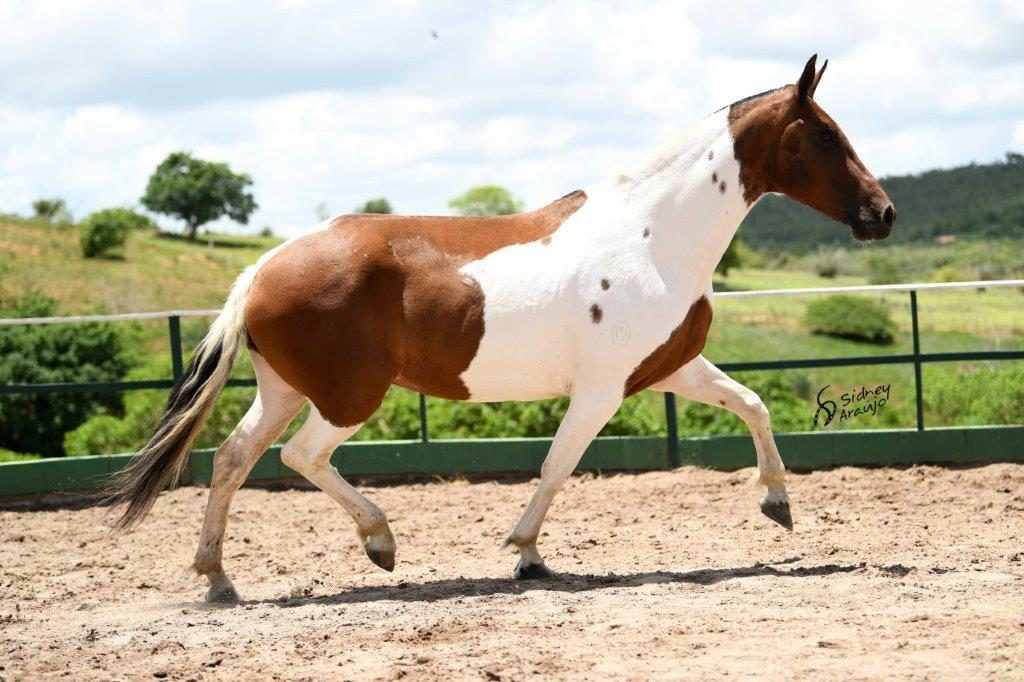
158,271
991,313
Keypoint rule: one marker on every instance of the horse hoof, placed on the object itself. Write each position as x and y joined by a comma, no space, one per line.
778,511
383,558
533,572
222,593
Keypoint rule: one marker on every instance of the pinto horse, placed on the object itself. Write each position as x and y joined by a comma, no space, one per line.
601,294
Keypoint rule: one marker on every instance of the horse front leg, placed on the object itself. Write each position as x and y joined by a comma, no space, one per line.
701,381
588,412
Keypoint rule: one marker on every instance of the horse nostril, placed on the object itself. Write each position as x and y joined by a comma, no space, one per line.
889,216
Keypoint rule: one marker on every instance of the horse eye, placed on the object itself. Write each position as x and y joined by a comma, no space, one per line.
827,135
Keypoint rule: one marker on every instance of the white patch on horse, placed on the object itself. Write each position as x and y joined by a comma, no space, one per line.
658,233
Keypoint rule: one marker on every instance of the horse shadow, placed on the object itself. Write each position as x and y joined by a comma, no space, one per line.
454,588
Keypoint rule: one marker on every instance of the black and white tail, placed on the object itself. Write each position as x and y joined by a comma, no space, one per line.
159,463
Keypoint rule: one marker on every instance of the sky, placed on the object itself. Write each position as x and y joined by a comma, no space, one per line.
332,103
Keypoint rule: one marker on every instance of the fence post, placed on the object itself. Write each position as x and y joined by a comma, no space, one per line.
672,427
917,360
177,365
424,436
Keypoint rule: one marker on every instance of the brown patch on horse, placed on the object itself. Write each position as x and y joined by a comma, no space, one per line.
684,344
546,240
711,155
373,300
647,232
714,178
605,284
721,187
596,314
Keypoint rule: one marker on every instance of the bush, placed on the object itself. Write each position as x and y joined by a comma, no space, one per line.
850,317
104,231
112,433
53,354
826,262
975,397
883,269
9,456
947,273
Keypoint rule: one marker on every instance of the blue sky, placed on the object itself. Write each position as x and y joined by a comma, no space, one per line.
337,102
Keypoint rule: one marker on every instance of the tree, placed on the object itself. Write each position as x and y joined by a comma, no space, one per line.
198,191
486,200
52,210
378,205
41,354
730,259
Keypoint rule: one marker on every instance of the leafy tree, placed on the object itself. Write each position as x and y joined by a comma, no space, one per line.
38,354
731,258
378,205
486,200
198,191
53,210
104,231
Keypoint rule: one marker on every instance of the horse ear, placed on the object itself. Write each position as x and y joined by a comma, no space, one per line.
804,86
817,79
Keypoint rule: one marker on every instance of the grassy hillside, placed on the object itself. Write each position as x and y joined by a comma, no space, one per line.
979,200
158,271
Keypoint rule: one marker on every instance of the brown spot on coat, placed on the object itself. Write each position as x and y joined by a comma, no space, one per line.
714,178
596,314
721,187
546,240
375,300
605,284
684,344
647,232
711,155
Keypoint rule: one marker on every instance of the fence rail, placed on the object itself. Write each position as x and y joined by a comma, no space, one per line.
916,357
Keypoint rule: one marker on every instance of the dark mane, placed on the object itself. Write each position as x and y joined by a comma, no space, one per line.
750,98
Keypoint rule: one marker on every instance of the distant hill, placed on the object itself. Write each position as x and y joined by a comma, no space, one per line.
975,201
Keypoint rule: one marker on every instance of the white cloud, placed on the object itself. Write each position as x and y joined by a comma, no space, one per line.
323,101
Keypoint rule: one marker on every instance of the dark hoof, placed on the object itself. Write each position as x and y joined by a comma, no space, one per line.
779,513
223,594
533,572
385,560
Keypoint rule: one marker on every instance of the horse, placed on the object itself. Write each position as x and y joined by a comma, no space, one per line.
597,296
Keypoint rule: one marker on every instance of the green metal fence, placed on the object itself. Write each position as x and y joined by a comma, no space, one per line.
674,450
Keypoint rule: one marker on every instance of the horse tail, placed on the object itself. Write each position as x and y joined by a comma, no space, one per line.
160,462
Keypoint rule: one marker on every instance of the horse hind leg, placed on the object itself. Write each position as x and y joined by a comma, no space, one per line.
276,404
309,453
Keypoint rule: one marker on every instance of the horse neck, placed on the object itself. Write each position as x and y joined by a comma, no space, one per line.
679,191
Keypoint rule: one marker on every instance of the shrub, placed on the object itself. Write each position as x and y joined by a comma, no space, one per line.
9,456
826,262
266,232
947,273
104,231
850,317
883,269
53,354
973,397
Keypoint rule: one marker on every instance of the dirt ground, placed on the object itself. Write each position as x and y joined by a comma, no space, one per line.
911,573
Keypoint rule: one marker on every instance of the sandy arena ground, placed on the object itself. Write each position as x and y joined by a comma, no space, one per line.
915,573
